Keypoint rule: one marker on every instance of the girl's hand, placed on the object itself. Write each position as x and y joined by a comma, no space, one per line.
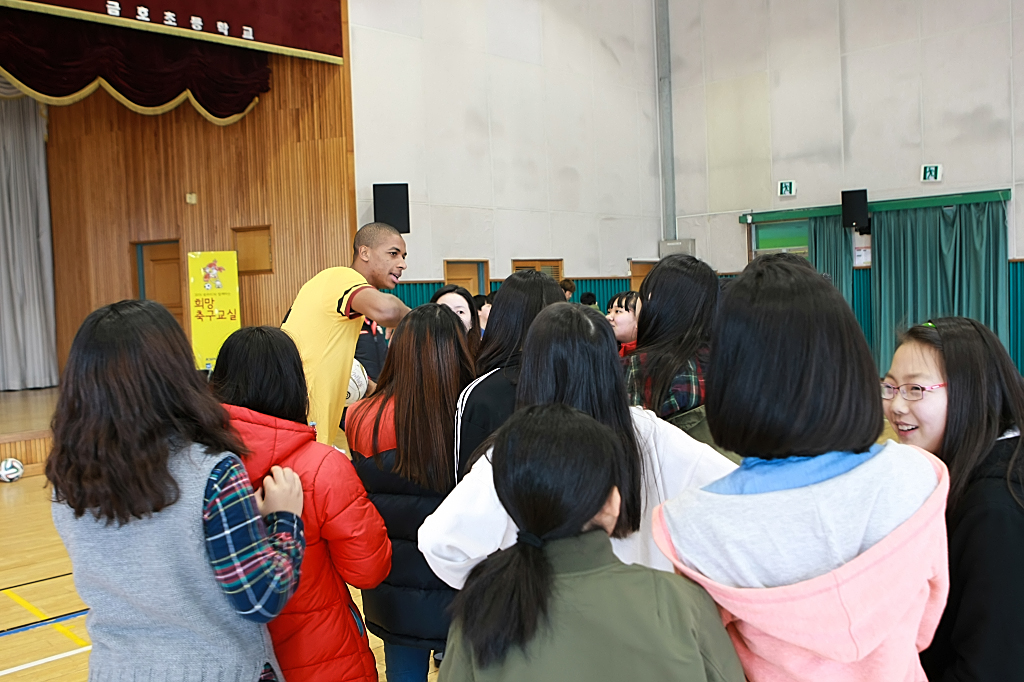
281,491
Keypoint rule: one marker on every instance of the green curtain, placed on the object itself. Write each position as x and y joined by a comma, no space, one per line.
830,248
935,262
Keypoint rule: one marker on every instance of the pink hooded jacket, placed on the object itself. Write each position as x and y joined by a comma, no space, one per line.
865,621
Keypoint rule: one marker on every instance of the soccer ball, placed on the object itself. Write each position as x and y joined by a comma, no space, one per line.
11,470
357,383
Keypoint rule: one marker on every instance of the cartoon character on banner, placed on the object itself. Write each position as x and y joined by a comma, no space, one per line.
211,276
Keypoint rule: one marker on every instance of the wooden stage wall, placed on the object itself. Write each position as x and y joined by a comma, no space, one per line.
118,178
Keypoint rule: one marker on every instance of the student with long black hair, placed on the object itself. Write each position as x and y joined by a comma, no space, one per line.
676,311
952,389
180,562
558,604
570,357
402,441
825,552
490,400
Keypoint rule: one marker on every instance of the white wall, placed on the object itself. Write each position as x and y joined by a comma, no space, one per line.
840,94
525,128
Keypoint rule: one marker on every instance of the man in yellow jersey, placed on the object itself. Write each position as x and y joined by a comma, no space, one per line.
327,315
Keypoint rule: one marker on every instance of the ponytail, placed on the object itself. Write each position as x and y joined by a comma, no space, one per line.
553,470
504,601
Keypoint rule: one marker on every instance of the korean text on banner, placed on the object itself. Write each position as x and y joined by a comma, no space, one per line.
213,302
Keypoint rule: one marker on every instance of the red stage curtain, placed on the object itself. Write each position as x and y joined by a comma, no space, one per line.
61,61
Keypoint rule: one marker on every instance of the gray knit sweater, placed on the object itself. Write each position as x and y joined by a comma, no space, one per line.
156,613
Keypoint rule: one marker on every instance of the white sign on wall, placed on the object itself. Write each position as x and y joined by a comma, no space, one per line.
931,172
861,256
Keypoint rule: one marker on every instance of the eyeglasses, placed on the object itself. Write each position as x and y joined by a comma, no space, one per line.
908,391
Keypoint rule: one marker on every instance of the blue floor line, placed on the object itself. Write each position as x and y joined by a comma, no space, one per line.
44,623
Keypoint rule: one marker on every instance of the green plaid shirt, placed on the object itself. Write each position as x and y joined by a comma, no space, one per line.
686,392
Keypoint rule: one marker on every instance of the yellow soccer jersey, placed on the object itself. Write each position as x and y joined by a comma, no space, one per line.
325,329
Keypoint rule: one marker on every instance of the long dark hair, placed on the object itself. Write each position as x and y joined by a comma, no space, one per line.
261,369
427,366
130,394
790,373
985,398
679,298
520,297
554,468
474,333
571,357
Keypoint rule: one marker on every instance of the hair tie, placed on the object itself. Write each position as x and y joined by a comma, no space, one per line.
929,323
528,538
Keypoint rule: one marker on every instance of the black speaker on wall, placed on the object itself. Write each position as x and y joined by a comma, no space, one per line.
391,205
855,211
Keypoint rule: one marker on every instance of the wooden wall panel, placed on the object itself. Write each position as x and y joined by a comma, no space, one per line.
31,449
117,178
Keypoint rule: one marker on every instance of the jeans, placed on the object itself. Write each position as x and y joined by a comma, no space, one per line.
406,663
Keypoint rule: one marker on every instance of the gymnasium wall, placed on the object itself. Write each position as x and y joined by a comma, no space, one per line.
840,94
525,129
117,177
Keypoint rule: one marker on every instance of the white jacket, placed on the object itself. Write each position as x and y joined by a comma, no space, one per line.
471,523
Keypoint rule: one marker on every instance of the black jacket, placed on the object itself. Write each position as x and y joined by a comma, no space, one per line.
410,608
372,348
981,635
484,406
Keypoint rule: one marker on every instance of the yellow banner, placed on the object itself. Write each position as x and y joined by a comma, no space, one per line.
213,302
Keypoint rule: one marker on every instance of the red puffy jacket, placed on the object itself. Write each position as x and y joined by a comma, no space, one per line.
320,635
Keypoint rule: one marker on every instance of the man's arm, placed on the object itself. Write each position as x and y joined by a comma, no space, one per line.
384,309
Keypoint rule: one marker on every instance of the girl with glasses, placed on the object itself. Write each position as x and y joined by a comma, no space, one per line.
960,396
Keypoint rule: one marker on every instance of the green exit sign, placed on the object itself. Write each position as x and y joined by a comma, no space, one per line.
787,188
931,173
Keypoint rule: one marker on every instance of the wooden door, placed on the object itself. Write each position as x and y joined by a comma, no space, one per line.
471,275
551,268
161,276
638,270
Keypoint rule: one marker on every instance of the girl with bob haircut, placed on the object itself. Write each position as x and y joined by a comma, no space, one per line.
402,446
320,634
792,388
558,602
666,373
490,400
462,304
953,389
622,317
142,459
570,358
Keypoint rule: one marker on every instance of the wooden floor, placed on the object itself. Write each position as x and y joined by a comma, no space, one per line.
26,410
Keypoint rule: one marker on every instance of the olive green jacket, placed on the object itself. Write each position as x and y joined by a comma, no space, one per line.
695,424
610,621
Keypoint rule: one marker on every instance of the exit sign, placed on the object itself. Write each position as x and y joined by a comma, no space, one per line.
931,173
787,188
